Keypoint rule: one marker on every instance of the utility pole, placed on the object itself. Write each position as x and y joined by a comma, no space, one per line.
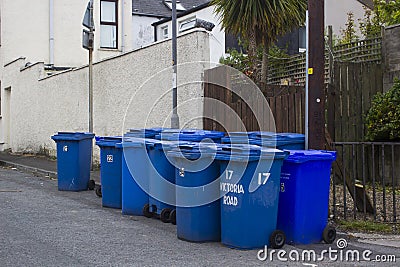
175,117
91,44
316,72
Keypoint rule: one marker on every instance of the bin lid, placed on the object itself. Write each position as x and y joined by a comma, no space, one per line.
72,136
193,151
140,133
157,130
108,141
134,142
234,134
194,136
262,134
236,139
278,136
289,137
242,152
166,145
108,138
301,156
277,143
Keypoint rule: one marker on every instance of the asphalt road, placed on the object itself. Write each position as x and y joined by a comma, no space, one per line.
40,226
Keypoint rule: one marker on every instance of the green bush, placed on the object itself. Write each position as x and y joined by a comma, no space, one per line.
236,60
383,118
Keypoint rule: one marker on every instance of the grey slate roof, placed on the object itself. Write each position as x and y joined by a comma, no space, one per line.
367,3
157,8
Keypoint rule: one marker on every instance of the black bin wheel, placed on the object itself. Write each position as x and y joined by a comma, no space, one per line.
98,191
277,239
172,217
146,211
164,215
91,184
329,234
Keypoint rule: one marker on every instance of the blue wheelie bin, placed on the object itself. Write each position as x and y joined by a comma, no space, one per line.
145,133
238,138
304,197
290,141
191,135
161,180
198,211
110,171
135,176
74,154
250,193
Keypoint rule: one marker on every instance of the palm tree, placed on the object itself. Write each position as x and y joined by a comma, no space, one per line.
261,22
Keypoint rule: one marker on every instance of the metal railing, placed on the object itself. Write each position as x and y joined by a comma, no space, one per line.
366,181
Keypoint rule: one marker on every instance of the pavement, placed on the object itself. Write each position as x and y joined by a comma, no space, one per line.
38,165
41,226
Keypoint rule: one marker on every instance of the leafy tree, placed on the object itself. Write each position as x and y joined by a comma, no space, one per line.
277,60
370,25
349,32
385,13
261,22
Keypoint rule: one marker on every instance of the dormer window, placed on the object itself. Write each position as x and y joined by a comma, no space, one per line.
187,24
179,6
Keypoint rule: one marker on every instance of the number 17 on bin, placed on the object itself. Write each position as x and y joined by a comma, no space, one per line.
263,178
228,174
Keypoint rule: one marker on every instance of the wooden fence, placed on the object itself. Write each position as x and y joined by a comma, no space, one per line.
285,109
348,99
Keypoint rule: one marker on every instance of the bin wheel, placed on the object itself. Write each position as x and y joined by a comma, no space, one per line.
172,217
98,191
91,184
277,239
164,215
146,211
329,234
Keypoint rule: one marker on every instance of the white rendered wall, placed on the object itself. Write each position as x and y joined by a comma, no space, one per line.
142,31
41,106
25,31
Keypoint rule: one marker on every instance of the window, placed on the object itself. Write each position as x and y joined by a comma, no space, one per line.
187,24
164,32
179,6
108,23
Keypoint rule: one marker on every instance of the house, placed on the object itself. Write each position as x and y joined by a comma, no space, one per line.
186,22
295,41
50,31
146,12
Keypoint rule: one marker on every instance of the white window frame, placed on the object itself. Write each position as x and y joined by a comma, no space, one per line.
113,24
187,24
164,32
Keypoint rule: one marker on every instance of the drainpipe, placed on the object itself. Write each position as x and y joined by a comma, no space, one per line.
122,26
51,32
